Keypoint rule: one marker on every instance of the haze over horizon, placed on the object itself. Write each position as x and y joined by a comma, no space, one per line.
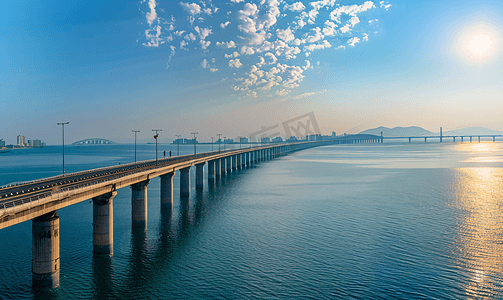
233,66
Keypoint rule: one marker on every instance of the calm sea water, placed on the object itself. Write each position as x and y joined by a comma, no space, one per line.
386,221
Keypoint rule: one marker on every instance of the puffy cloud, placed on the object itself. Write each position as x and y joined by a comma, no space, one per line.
229,44
205,64
271,57
203,32
350,10
316,36
286,34
235,63
223,25
190,37
322,45
354,40
365,37
213,69
329,29
247,50
191,8
308,65
204,44
151,15
385,6
371,22
303,95
297,6
282,92
153,36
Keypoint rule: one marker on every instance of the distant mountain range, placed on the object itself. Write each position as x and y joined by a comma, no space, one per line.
418,131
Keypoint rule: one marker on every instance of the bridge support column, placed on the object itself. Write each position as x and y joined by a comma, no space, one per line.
229,164
139,204
103,224
454,139
185,182
234,162
200,176
247,160
45,247
461,139
494,138
410,140
479,139
470,139
243,160
222,166
425,140
167,190
211,172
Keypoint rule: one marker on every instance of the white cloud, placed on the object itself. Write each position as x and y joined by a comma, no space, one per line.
235,63
308,65
229,44
365,37
153,37
297,6
191,8
207,11
385,6
350,10
205,64
204,44
190,37
223,25
183,44
329,29
286,34
322,45
303,95
237,1
271,57
213,69
151,15
371,22
282,92
316,36
354,40
203,32
247,50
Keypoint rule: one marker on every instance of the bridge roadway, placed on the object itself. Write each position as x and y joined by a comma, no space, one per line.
441,137
39,200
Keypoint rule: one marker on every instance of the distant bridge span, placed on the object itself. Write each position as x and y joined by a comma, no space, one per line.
94,141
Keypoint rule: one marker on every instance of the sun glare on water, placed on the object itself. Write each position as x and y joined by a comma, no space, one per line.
478,43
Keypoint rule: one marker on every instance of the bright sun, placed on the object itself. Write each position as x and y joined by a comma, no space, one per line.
478,43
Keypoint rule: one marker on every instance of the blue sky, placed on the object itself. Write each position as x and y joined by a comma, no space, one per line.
109,67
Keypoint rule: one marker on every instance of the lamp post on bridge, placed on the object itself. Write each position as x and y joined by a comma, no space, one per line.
155,137
224,143
178,146
63,124
135,131
211,144
194,133
219,140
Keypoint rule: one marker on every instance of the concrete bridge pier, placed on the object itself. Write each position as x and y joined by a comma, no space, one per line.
494,138
103,224
479,139
185,182
470,139
425,140
454,139
461,139
243,160
247,160
139,204
200,176
410,140
211,172
229,164
234,162
167,190
222,166
45,251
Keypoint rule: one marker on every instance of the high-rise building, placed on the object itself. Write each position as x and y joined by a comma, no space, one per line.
21,140
2,143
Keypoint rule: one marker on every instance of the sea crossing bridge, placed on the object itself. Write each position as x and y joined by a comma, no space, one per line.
39,200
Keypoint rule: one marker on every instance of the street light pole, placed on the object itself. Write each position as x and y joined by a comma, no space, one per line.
211,144
194,133
63,144
135,131
224,143
155,137
219,141
178,146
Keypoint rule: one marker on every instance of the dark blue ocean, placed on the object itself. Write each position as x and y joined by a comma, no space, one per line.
363,221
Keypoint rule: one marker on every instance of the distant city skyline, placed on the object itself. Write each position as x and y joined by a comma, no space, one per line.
233,66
